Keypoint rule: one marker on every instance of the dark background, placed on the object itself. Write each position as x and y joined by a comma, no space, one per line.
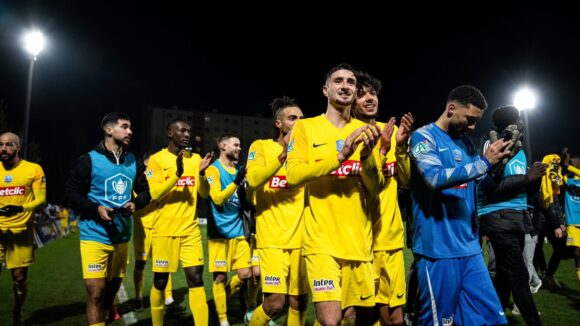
234,58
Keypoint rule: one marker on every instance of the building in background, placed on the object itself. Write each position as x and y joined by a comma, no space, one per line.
206,127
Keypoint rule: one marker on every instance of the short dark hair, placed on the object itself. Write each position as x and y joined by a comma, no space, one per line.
364,79
174,121
342,66
113,117
466,95
226,136
280,103
505,116
277,106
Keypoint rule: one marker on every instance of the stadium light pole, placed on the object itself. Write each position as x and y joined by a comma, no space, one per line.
33,44
525,101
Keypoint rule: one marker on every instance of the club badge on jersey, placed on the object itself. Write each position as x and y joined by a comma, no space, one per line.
118,189
339,145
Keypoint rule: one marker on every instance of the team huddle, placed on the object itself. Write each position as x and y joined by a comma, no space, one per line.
324,195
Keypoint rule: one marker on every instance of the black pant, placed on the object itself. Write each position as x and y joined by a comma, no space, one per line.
558,252
512,274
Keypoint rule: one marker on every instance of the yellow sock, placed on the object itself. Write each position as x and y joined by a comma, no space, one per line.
220,300
157,306
234,284
138,281
98,324
169,288
259,317
198,305
296,317
253,288
578,273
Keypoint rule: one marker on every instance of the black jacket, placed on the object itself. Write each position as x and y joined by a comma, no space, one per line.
78,183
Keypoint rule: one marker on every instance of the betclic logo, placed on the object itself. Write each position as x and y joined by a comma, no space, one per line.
12,191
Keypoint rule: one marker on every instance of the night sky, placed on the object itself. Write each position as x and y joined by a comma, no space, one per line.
234,58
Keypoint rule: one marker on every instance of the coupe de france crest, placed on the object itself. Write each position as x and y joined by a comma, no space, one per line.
118,189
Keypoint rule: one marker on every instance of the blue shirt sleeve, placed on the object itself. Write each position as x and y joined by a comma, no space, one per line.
437,176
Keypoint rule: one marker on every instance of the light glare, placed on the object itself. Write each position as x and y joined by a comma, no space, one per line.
34,42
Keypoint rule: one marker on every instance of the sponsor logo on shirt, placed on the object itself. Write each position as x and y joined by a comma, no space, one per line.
8,178
210,180
461,186
279,182
252,156
323,285
272,280
149,174
162,263
348,168
118,189
220,263
94,268
390,169
186,181
12,191
43,180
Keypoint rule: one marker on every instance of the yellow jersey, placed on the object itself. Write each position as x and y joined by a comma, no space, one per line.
175,198
279,208
388,232
335,217
24,185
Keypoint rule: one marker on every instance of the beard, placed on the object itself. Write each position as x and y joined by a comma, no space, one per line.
5,157
232,157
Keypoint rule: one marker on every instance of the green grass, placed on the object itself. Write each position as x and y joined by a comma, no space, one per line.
57,293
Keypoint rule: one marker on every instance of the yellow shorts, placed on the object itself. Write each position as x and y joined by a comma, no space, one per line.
348,281
17,249
102,260
228,254
283,271
169,251
390,285
573,239
255,258
142,242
